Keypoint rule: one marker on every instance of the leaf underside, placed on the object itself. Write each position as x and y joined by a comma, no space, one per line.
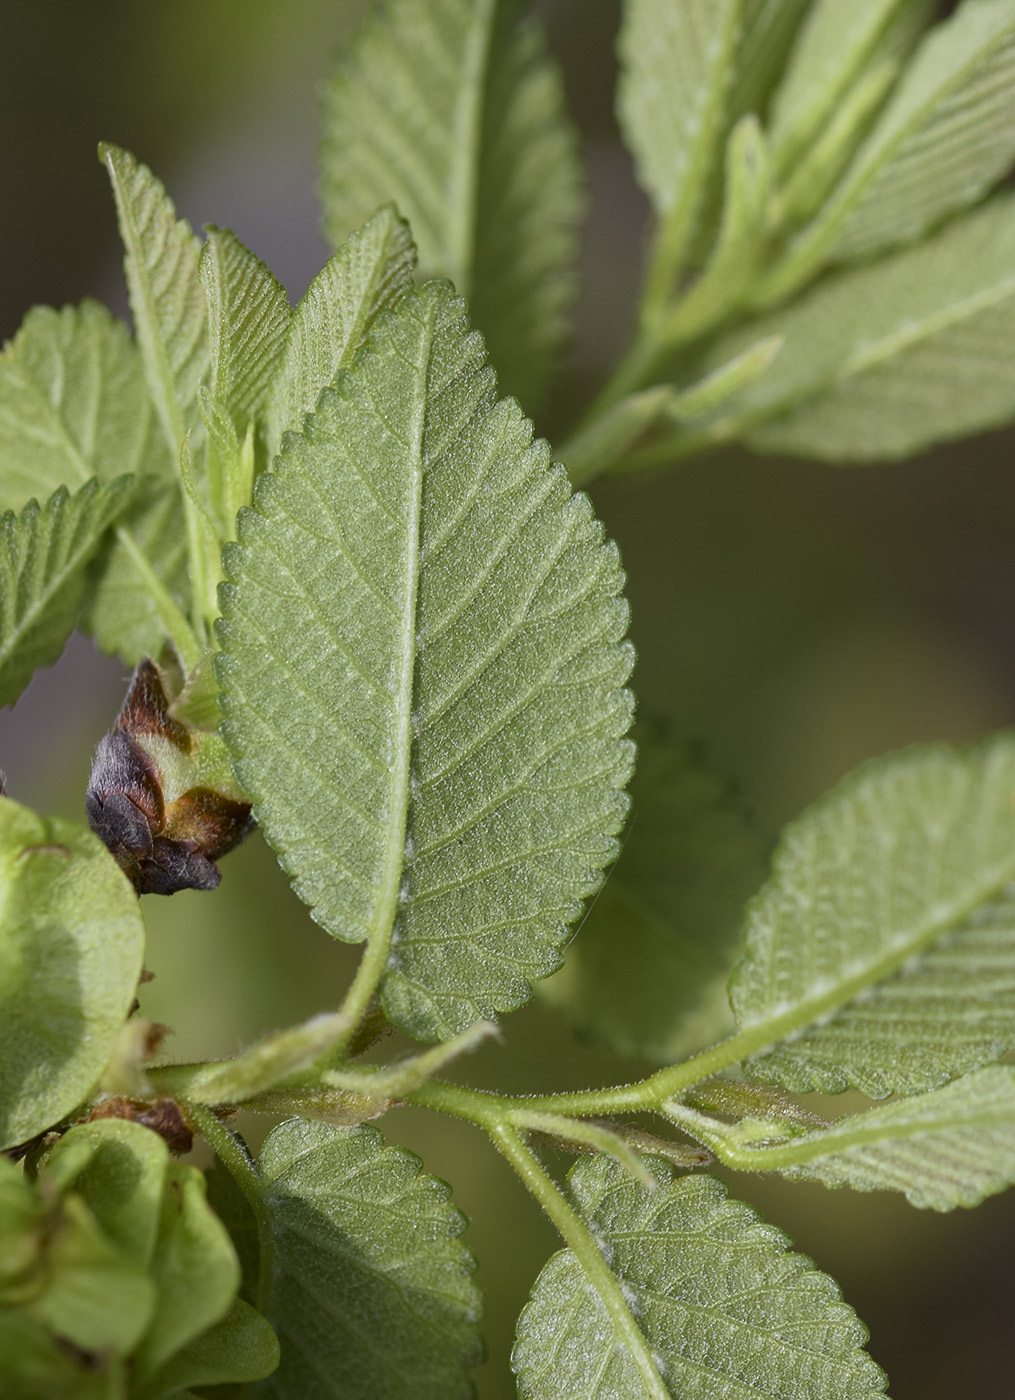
439,740
884,945
952,1147
371,1291
724,1306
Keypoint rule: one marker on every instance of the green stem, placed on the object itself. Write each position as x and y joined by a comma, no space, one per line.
243,1169
580,1240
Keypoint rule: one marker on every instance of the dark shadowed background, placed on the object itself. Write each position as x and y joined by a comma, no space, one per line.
797,618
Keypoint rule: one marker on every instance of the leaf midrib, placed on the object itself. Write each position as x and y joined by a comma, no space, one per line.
467,131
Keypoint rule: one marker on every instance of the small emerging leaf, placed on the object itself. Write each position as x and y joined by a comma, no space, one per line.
367,275
834,44
883,360
946,137
722,1303
248,315
370,1289
43,553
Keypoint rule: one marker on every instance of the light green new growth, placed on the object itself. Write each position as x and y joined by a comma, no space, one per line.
946,136
722,1305
881,361
43,553
436,751
248,317
878,910
675,69
71,943
458,118
370,1290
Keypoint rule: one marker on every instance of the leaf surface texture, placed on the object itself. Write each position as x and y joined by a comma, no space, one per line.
879,949
436,748
370,1290
724,1305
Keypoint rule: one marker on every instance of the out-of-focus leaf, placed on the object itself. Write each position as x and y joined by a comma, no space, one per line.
718,1297
881,361
74,405
834,44
422,674
71,944
946,136
648,968
370,1288
43,553
457,117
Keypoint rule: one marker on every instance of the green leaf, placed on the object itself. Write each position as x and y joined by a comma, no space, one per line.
457,117
882,951
733,263
74,405
241,1347
370,1288
144,585
884,360
722,1303
952,1147
676,62
368,274
834,45
422,674
195,1269
167,300
118,1170
71,942
946,137
248,316
43,552
648,968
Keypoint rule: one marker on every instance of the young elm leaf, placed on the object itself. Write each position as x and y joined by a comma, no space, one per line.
422,674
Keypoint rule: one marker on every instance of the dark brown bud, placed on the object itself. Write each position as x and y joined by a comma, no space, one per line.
163,1116
160,795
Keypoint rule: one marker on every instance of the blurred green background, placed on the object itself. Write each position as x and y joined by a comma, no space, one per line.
795,617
